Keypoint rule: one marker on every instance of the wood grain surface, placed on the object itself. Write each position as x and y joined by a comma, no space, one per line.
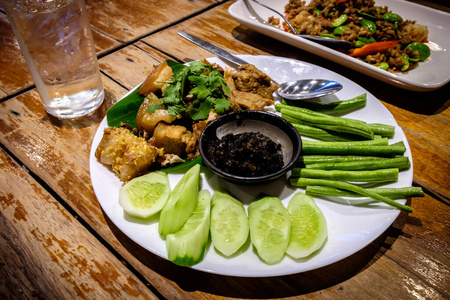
57,243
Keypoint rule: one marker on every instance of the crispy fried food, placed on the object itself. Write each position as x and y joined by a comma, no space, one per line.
170,159
174,139
249,79
161,72
129,155
147,121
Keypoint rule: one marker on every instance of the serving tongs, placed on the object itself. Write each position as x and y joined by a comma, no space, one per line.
329,42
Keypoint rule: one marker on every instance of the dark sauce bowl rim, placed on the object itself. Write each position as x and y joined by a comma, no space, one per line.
262,116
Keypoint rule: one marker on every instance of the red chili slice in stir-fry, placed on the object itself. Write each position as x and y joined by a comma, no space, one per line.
373,48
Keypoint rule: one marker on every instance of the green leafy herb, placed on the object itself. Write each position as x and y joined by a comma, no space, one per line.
125,110
203,82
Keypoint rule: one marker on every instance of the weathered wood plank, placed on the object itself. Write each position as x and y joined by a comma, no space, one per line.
47,254
129,20
131,65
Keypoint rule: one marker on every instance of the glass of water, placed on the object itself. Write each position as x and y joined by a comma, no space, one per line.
56,40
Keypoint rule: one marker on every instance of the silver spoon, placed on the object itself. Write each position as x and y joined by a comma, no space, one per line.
330,42
307,88
295,90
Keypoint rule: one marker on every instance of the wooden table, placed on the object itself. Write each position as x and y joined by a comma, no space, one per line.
57,243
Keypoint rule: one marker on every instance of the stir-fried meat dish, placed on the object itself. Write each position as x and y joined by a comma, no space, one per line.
380,37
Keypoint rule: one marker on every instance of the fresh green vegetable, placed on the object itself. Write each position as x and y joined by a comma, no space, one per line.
329,122
304,182
321,134
383,66
369,24
146,195
329,148
391,17
340,29
308,226
379,175
187,246
270,228
229,223
125,111
340,20
392,193
383,130
335,107
406,64
422,49
181,203
367,40
328,35
366,15
314,159
202,81
385,163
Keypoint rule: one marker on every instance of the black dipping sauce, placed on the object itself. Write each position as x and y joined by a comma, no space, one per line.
247,154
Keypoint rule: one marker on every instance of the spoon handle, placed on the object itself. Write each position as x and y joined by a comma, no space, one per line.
213,49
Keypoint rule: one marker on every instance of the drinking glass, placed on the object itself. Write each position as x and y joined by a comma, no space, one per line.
56,41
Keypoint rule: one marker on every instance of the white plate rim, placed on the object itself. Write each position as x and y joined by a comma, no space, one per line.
247,264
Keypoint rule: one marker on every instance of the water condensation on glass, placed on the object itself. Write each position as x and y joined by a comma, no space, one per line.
56,41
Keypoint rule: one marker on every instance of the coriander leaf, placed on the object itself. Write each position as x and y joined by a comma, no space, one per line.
200,110
222,105
176,110
201,92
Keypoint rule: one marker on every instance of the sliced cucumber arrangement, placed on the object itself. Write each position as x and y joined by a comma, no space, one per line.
146,195
270,228
187,246
181,203
229,223
308,226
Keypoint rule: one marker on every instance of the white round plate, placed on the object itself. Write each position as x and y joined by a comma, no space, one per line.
351,226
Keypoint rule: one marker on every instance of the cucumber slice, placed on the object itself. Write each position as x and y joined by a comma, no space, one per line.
229,223
181,203
270,228
308,226
187,246
146,195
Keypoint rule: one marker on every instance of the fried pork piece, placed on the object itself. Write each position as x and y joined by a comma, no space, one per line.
175,139
128,155
147,121
152,84
249,79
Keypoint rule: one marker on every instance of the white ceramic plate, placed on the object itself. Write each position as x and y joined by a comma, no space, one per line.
350,227
429,75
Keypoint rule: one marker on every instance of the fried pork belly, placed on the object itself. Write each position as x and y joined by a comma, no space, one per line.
174,139
147,121
170,159
128,155
153,84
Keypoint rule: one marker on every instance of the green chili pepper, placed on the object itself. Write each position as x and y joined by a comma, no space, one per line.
327,35
391,17
406,65
424,50
359,44
383,66
369,24
339,21
340,29
365,40
366,15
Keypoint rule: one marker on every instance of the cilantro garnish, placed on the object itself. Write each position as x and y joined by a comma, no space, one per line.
206,85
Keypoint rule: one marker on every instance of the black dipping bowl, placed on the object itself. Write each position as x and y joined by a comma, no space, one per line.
269,124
